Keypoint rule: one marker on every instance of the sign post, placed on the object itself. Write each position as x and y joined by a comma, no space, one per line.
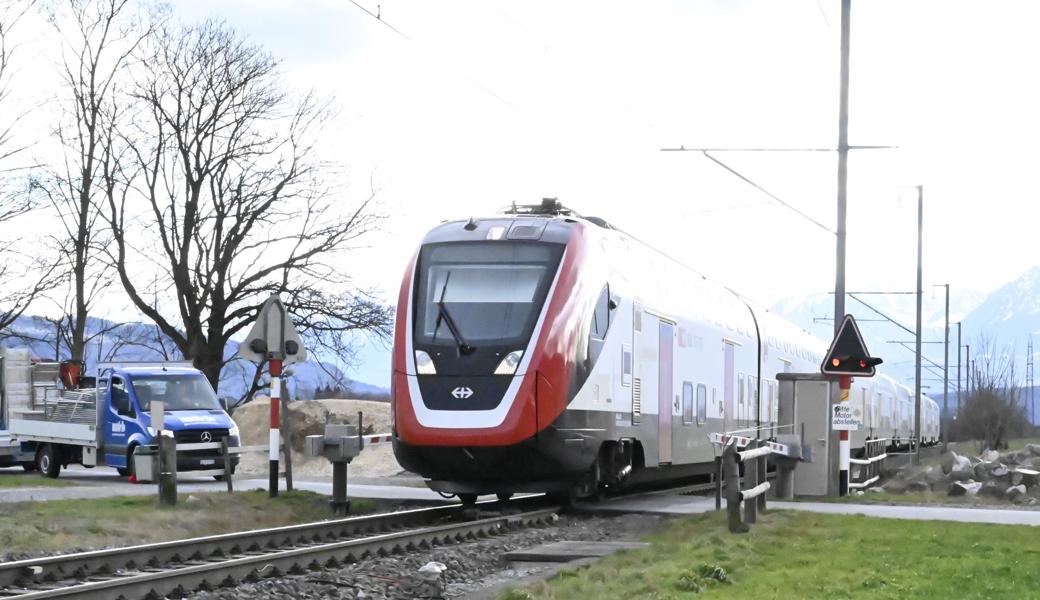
847,357
274,339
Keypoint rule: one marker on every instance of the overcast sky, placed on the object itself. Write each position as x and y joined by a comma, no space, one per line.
474,105
455,109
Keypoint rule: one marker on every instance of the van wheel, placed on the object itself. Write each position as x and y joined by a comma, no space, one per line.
128,470
47,461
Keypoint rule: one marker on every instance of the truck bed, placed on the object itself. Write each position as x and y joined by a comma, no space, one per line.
67,417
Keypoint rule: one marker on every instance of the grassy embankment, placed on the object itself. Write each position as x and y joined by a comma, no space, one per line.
791,554
58,525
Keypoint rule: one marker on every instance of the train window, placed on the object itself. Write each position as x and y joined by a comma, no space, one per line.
600,324
601,316
687,403
626,364
702,404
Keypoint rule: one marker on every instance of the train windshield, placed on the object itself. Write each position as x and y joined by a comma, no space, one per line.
474,293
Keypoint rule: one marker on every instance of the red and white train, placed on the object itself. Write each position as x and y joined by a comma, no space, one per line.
541,351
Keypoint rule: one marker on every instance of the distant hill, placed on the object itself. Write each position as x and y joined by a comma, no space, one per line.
142,342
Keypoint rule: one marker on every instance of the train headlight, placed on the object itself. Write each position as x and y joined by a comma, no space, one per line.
424,364
509,363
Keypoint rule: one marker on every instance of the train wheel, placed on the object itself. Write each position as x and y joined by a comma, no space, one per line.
468,499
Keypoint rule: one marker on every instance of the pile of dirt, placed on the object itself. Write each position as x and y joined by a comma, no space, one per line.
308,417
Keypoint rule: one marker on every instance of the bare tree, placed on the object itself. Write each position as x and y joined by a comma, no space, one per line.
219,184
992,412
98,38
23,276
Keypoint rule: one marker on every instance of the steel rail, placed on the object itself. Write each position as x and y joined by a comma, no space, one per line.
216,572
37,571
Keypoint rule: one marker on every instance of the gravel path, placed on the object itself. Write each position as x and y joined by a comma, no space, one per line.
470,567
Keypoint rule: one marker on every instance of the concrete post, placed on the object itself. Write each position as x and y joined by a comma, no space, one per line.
167,469
227,462
339,503
732,477
785,479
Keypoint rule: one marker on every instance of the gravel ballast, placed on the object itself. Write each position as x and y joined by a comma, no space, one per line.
469,567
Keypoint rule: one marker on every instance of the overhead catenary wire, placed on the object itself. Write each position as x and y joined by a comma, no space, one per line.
379,17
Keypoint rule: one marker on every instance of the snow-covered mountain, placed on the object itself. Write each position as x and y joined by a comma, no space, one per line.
142,342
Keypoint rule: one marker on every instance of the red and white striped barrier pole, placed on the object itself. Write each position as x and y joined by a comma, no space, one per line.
844,384
274,367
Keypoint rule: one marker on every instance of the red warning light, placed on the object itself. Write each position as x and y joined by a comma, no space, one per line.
863,364
835,362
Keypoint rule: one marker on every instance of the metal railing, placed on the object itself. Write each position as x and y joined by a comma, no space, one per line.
867,470
752,498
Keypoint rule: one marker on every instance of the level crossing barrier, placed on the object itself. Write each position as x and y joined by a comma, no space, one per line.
867,470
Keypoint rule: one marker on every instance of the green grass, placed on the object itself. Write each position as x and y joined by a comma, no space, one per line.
27,480
792,554
58,525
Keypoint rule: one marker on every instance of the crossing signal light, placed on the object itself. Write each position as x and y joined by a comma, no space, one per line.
848,354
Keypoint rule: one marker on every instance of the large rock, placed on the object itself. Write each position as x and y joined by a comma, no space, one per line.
1029,477
960,468
990,456
1015,493
947,461
1015,458
933,474
998,470
993,489
965,488
962,474
982,470
1033,449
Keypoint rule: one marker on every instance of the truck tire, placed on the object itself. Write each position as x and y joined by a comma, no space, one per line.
128,470
48,461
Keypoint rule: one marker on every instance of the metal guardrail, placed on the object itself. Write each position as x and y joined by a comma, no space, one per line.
753,498
868,468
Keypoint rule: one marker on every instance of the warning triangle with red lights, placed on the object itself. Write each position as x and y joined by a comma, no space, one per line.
848,354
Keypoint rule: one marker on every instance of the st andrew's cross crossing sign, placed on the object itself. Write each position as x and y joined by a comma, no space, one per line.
273,336
848,354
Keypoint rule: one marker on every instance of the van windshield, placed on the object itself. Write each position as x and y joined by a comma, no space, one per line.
190,391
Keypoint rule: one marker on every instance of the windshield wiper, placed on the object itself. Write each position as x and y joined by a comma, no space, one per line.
444,315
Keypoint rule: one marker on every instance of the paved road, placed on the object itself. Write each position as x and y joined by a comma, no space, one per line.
687,505
101,483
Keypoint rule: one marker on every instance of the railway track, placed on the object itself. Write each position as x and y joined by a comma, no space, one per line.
182,566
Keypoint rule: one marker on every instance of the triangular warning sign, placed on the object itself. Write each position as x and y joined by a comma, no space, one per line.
848,354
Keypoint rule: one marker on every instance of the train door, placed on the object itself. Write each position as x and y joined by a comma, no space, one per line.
728,378
665,396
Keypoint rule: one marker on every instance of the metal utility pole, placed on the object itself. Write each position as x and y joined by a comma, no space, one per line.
917,359
946,372
843,159
958,368
1029,381
967,371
